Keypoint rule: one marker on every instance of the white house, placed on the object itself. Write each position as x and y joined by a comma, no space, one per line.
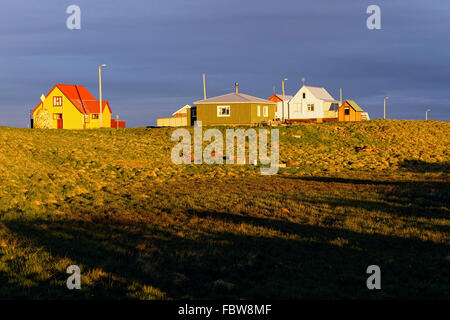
312,103
278,98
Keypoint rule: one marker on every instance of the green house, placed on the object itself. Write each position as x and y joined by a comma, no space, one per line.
234,109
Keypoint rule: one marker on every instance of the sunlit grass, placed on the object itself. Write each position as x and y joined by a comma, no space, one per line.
140,227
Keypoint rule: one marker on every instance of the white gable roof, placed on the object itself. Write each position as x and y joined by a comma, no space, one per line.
320,93
182,109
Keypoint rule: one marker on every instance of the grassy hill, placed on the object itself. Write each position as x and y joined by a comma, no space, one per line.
111,201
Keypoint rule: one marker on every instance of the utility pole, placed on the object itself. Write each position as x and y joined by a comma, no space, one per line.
282,88
426,114
384,116
100,91
204,87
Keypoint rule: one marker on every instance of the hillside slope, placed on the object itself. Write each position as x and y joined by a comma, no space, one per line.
112,202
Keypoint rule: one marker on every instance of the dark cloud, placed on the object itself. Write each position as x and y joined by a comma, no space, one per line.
156,52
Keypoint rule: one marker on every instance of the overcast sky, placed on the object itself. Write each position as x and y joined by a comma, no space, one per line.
157,50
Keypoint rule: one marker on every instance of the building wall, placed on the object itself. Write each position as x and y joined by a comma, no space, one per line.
327,113
240,114
330,115
172,122
92,123
287,109
353,116
106,118
72,118
261,118
303,112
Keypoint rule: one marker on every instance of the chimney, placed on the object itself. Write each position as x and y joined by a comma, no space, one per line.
236,85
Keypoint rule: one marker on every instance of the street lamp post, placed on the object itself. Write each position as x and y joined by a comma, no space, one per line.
100,91
426,114
384,117
282,88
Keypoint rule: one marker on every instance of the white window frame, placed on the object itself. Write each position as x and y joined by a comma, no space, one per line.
258,111
265,111
57,101
297,107
310,107
223,115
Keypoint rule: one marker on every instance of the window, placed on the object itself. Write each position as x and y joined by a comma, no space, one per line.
266,111
223,111
86,118
347,111
258,111
57,116
57,101
334,107
95,116
297,107
310,106
304,95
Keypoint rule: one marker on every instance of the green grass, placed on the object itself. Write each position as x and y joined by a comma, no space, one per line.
140,227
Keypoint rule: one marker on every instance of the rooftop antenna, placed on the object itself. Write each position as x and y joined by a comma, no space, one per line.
303,80
273,89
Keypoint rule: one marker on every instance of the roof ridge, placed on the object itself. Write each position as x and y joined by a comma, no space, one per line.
81,100
233,97
244,96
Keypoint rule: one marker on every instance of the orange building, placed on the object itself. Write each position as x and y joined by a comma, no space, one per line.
349,111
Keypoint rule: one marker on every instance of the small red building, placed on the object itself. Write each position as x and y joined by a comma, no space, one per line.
117,124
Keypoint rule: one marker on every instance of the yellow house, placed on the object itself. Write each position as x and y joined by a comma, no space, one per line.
71,107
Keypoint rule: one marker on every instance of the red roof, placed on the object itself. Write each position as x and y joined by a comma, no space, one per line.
80,97
275,98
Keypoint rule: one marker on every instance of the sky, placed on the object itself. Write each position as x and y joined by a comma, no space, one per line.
157,50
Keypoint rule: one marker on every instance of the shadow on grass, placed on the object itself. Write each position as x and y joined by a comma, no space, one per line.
305,262
422,166
346,180
426,199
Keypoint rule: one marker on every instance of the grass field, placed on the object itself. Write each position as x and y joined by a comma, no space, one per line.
140,227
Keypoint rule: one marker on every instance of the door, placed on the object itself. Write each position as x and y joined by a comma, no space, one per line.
347,114
59,123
